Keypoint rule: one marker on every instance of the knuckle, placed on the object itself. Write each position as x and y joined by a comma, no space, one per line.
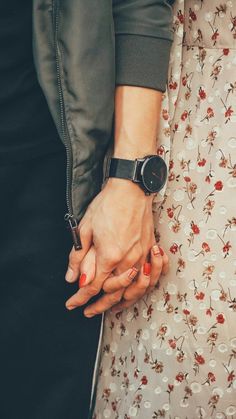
73,258
143,284
83,230
127,281
107,287
113,256
165,259
139,252
93,290
115,298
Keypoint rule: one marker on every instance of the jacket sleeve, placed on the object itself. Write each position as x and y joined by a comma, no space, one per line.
143,37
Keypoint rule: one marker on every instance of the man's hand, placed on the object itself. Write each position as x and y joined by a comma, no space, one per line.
119,224
119,221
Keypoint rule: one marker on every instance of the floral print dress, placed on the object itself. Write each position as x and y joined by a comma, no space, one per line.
173,354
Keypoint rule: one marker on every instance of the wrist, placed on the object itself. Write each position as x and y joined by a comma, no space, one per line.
126,151
127,188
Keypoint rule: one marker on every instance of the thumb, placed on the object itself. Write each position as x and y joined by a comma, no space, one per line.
76,256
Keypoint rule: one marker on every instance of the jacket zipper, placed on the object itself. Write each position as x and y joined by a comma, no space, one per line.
69,217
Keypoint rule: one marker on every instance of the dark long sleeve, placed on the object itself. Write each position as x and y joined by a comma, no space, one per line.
143,41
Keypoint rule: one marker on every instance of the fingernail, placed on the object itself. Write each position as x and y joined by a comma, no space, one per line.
155,250
82,280
133,273
69,307
147,268
88,315
161,251
69,275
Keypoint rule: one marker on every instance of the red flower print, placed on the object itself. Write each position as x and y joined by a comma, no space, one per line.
192,15
195,228
201,163
171,164
226,248
165,115
179,377
200,295
199,359
208,312
226,51
220,319
187,179
180,16
218,185
229,112
170,387
172,343
173,85
210,113
215,35
160,151
202,93
184,115
184,81
186,312
231,376
206,247
170,212
144,380
174,248
211,377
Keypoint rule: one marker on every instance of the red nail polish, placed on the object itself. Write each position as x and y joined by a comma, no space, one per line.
161,251
133,273
82,280
147,268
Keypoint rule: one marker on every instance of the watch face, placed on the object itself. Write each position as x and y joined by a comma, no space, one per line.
154,173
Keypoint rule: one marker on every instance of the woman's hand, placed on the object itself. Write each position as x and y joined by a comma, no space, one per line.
119,223
132,285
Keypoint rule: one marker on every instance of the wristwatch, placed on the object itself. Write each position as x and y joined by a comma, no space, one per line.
149,172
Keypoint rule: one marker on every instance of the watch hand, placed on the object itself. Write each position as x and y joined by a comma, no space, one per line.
154,174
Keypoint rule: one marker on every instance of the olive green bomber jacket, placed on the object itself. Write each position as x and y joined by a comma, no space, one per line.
82,50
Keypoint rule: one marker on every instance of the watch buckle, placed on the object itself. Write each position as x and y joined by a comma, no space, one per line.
135,172
107,168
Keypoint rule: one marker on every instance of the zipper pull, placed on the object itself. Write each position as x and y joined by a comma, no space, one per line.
71,220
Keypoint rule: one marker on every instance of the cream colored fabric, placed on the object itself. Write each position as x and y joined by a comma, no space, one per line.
173,355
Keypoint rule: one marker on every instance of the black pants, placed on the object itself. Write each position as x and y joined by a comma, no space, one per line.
47,354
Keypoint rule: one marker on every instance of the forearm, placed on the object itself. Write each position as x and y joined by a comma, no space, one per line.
137,115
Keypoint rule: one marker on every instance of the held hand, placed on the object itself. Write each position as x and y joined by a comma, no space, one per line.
131,285
119,223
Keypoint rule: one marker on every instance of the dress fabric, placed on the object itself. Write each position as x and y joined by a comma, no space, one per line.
173,354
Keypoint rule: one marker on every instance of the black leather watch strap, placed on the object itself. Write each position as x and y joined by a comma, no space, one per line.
122,168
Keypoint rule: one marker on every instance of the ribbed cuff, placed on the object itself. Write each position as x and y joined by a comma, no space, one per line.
142,61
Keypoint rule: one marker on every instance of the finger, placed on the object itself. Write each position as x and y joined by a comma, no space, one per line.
88,268
76,256
131,259
116,282
157,265
105,264
103,304
138,288
78,299
165,259
84,294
